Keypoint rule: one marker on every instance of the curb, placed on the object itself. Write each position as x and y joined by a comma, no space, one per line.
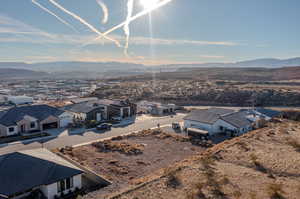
25,141
109,138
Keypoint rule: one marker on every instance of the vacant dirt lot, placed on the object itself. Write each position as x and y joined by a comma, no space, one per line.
125,161
263,164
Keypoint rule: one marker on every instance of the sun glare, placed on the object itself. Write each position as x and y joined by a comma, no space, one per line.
148,4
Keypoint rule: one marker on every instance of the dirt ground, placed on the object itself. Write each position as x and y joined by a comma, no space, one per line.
125,161
263,164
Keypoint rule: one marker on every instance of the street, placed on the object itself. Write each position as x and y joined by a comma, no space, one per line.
65,139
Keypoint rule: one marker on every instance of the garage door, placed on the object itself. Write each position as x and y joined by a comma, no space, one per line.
53,125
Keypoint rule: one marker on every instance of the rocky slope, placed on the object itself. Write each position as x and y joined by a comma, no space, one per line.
261,164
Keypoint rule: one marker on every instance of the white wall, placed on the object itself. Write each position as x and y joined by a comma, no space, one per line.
20,99
224,124
65,119
51,190
15,132
199,125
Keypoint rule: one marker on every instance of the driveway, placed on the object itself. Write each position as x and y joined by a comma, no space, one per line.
62,138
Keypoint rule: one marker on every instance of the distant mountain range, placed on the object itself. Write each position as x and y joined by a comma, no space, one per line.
113,69
20,73
256,63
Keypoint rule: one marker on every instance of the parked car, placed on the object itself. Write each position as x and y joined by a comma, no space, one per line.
104,126
175,125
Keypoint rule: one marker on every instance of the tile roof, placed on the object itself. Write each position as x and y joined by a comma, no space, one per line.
40,112
24,170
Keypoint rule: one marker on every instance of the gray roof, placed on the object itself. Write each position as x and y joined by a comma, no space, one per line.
208,116
220,111
86,107
202,116
83,107
21,171
86,99
40,112
268,112
237,119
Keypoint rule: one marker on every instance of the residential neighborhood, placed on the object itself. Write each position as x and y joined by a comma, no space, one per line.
61,176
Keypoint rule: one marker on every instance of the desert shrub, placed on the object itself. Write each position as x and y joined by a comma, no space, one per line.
294,143
275,191
257,165
207,162
218,193
292,115
224,181
196,192
122,147
172,178
173,181
243,145
252,195
237,194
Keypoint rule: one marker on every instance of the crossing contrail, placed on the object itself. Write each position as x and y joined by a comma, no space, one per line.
126,26
104,10
53,14
92,28
133,18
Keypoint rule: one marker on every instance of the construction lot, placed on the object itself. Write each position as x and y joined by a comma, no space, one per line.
131,160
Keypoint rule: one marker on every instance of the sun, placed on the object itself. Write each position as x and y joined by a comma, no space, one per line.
148,4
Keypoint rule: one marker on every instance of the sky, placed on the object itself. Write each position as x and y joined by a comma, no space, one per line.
183,31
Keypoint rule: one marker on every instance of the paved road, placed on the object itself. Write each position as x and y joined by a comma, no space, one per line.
66,139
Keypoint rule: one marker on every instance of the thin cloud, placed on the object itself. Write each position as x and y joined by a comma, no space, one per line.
9,25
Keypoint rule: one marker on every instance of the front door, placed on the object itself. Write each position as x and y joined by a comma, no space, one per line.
23,128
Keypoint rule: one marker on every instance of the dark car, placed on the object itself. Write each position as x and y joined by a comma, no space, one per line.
104,126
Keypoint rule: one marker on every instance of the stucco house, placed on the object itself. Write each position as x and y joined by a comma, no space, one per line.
217,120
33,118
37,171
87,111
104,109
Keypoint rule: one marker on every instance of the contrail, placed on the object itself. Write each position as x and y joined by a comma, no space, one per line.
84,22
53,14
105,11
126,26
135,17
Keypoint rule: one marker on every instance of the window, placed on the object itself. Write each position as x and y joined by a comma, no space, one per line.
65,184
69,183
11,129
61,186
32,125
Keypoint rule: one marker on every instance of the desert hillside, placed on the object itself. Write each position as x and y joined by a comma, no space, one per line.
261,164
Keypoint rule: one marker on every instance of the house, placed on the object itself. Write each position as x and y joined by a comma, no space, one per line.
218,120
155,108
28,119
104,109
19,100
163,109
87,111
37,171
119,109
